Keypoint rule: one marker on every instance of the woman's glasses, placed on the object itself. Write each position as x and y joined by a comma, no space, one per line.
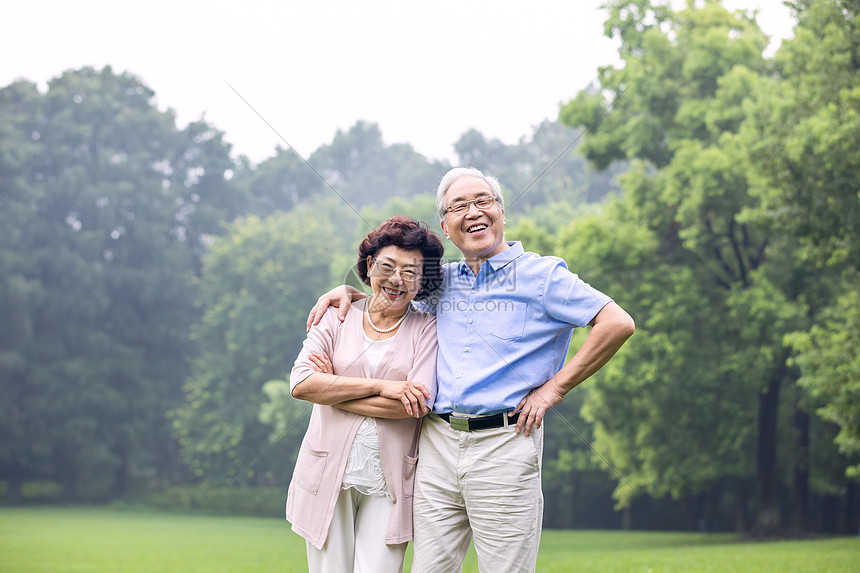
410,275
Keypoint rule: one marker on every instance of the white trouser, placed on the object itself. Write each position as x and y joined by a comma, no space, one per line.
482,485
356,538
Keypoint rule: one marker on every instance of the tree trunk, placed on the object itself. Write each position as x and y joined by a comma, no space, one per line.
712,513
66,475
120,484
69,484
852,523
742,518
708,509
800,486
767,520
575,501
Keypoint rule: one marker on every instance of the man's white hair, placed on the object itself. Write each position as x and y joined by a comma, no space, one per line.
458,173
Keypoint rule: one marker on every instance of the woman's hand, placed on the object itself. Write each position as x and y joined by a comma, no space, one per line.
339,297
414,396
321,363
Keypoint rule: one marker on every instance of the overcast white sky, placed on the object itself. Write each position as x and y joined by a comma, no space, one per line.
425,72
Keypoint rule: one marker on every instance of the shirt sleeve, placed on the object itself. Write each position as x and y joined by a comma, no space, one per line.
568,299
427,305
320,339
431,303
424,366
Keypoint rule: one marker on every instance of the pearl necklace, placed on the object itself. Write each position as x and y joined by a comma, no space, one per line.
384,330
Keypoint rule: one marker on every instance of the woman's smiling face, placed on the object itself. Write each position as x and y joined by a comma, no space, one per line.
386,269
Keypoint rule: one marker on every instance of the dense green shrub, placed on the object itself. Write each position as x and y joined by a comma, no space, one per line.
256,501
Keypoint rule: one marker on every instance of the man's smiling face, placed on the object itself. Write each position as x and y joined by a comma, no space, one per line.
479,234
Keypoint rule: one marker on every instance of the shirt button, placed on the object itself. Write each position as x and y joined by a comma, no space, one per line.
474,291
458,374
466,349
470,321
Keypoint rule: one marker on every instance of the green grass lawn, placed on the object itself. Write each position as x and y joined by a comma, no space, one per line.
112,540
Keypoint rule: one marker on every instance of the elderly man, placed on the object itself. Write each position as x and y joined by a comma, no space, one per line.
504,322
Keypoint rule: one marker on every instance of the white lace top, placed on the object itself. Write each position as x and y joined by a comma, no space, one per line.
364,467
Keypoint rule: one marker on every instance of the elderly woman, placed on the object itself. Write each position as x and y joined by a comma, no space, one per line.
371,379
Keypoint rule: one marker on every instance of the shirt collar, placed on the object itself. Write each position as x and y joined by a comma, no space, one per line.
514,251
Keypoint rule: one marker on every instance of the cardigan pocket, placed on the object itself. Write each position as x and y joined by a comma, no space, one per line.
409,464
310,466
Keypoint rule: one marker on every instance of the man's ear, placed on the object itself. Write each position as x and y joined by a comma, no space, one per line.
444,225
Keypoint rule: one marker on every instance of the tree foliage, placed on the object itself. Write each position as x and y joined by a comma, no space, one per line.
830,364
807,134
106,207
540,170
366,171
257,285
727,287
804,137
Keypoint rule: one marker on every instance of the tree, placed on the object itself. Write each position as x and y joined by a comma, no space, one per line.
728,294
23,451
831,370
106,208
257,286
282,183
805,137
365,171
544,170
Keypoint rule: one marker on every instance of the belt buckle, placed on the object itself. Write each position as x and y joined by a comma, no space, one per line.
457,423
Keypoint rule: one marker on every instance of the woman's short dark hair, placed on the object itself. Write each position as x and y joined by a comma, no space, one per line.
408,234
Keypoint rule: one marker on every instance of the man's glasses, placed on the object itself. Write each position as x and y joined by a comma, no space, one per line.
386,269
460,207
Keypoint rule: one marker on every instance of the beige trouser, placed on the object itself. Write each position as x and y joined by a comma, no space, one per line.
356,538
484,486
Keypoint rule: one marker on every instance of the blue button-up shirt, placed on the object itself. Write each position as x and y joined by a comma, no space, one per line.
506,331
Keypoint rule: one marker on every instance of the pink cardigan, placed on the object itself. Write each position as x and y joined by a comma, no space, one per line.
322,458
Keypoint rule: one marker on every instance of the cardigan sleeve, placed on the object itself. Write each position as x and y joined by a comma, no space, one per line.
320,339
424,365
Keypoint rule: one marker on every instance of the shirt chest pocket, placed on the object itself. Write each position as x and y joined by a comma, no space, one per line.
506,319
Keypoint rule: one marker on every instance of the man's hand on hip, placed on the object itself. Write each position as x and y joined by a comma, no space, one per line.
534,406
